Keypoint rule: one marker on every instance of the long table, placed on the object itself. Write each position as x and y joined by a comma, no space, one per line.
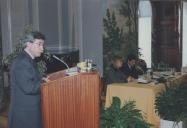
143,94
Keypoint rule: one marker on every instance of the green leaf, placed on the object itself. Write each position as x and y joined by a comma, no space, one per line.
126,116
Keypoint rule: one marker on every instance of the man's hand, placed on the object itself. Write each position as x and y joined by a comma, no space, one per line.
130,79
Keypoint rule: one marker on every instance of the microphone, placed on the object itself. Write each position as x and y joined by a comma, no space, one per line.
61,61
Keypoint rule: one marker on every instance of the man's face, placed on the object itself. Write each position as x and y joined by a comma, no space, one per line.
118,64
132,62
36,48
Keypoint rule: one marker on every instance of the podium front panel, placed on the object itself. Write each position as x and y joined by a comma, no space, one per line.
71,102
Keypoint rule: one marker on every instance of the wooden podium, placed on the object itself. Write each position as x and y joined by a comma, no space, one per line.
71,101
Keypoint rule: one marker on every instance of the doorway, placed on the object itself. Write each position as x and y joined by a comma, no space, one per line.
165,43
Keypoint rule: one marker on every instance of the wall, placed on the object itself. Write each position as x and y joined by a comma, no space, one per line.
67,24
14,16
1,72
184,38
144,39
91,46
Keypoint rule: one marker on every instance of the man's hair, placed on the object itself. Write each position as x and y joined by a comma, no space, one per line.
116,57
131,57
30,37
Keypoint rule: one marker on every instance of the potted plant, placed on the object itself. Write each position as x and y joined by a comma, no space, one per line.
182,90
171,106
126,116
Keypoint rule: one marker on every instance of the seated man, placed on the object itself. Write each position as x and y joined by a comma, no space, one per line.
129,69
115,75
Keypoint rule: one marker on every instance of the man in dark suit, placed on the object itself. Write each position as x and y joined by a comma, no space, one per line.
115,75
25,84
129,68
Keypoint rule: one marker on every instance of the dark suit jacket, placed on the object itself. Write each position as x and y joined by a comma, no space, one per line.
115,76
25,93
129,71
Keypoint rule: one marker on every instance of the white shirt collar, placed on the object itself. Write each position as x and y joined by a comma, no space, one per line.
129,66
29,53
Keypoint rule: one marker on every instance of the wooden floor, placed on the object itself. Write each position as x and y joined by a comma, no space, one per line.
4,118
4,111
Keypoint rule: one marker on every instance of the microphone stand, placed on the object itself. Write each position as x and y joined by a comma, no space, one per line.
61,61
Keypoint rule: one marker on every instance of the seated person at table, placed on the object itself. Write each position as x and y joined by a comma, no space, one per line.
115,75
129,69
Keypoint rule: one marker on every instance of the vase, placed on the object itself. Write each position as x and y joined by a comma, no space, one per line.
170,124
